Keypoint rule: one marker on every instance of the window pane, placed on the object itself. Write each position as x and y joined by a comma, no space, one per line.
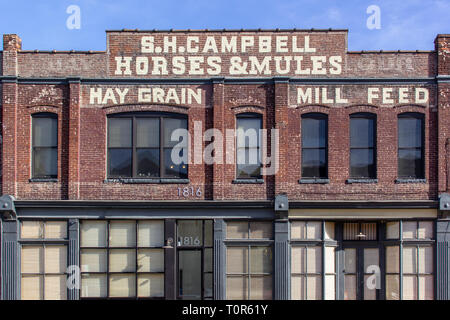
409,229
151,260
351,231
314,163
237,288
32,258
55,230
175,170
260,230
93,233
45,132
147,163
93,286
151,233
409,132
208,260
119,162
425,260
313,133
55,259
314,259
170,125
314,230
350,260
409,260
371,258
330,260
314,287
208,285
426,288
298,230
122,285
329,231
237,260
31,230
369,230
248,132
425,230
392,230
410,163
297,287
55,287
350,287
298,259
260,260
392,259
122,234
362,163
208,233
409,287
370,293
248,156
261,288
361,133
32,287
147,133
392,287
245,171
330,287
93,260
151,285
119,133
45,162
122,260
190,233
237,230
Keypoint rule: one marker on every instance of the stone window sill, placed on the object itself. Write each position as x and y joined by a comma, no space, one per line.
313,181
146,181
43,180
248,181
410,180
351,181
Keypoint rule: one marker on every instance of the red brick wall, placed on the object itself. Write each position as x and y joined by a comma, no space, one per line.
82,127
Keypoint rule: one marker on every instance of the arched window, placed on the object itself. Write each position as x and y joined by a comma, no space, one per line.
44,137
410,145
314,145
248,147
140,146
363,145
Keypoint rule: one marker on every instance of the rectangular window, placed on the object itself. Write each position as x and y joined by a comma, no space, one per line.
411,260
249,265
363,146
410,145
122,259
314,145
141,146
44,145
43,260
248,147
313,260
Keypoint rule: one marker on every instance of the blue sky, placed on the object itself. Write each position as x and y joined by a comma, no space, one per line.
405,24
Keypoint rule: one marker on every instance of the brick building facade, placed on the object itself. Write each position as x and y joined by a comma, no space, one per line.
356,184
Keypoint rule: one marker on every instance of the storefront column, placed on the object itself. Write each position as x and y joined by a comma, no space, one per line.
282,260
219,260
443,258
73,261
10,260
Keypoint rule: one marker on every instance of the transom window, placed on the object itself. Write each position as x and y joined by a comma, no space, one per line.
248,146
314,145
363,145
410,145
141,146
44,145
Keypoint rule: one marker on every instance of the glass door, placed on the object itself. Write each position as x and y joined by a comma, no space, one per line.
361,265
194,259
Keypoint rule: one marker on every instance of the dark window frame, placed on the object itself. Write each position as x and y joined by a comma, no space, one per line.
421,117
316,116
373,117
144,115
249,115
33,147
